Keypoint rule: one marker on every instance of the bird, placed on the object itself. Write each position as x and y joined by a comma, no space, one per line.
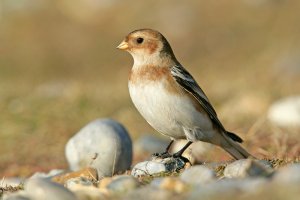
170,99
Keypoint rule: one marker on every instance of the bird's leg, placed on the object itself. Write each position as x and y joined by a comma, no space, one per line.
180,152
166,153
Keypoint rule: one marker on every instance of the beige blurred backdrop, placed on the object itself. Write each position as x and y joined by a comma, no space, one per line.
59,68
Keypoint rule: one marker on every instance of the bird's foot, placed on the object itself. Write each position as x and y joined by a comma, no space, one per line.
162,155
168,155
179,155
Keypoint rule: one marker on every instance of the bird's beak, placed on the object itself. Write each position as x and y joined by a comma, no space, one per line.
123,45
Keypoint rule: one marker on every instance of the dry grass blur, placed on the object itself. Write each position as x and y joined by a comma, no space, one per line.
59,69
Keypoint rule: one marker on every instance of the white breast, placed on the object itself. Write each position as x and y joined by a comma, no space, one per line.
168,113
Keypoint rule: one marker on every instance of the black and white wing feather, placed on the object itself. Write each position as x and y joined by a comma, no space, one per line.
187,82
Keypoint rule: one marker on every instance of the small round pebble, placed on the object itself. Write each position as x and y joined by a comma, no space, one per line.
198,175
169,183
123,183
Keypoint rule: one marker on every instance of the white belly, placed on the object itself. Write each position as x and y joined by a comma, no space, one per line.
168,113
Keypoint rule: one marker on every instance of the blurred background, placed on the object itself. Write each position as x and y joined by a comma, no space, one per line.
59,70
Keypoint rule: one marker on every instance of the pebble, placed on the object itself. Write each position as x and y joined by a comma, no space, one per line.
289,174
84,192
170,183
158,165
243,177
122,184
103,183
44,189
246,168
103,144
198,175
149,193
285,112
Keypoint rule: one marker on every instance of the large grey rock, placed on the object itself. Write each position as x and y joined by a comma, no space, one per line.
247,168
157,165
103,144
285,112
198,175
44,189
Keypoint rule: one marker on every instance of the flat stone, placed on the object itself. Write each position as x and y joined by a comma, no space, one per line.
198,175
103,144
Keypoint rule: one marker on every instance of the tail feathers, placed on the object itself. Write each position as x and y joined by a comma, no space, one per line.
235,150
234,137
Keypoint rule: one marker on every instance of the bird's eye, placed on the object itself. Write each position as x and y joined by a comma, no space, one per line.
139,40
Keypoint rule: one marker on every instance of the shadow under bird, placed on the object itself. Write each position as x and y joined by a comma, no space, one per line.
170,99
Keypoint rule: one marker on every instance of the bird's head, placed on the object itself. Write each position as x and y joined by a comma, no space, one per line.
148,47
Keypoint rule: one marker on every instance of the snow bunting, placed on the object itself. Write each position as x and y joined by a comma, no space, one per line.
170,99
